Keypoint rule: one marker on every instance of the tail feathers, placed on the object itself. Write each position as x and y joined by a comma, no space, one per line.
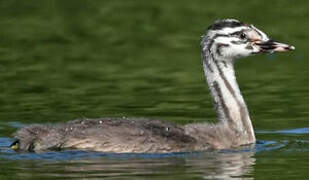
37,138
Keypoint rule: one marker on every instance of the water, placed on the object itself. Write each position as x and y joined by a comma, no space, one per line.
62,60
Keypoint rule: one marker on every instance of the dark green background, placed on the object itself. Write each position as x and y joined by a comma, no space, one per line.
62,60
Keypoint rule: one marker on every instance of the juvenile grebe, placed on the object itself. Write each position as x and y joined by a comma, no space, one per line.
225,41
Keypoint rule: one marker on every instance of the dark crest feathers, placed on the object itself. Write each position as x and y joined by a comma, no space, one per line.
220,24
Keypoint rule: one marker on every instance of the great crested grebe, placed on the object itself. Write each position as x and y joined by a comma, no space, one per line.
224,42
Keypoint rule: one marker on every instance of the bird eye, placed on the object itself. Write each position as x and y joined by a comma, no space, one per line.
243,36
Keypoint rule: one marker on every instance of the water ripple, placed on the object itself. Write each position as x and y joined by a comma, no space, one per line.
304,130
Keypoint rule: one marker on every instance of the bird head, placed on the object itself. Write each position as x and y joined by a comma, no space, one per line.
231,39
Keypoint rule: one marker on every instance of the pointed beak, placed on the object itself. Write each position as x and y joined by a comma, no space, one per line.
273,46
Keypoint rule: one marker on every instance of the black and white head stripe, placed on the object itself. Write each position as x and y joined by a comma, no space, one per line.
221,24
223,28
227,27
230,39
233,37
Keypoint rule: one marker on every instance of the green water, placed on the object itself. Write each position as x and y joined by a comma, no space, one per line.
62,60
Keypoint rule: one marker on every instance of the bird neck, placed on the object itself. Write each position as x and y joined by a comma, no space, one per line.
229,103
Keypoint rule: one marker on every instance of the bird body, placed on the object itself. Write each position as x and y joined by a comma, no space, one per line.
224,42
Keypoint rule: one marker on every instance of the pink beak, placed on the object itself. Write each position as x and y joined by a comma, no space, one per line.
273,46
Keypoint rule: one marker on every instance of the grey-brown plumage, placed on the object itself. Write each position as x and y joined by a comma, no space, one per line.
225,41
108,135
123,135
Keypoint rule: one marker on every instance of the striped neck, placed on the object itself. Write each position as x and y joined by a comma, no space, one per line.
229,103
